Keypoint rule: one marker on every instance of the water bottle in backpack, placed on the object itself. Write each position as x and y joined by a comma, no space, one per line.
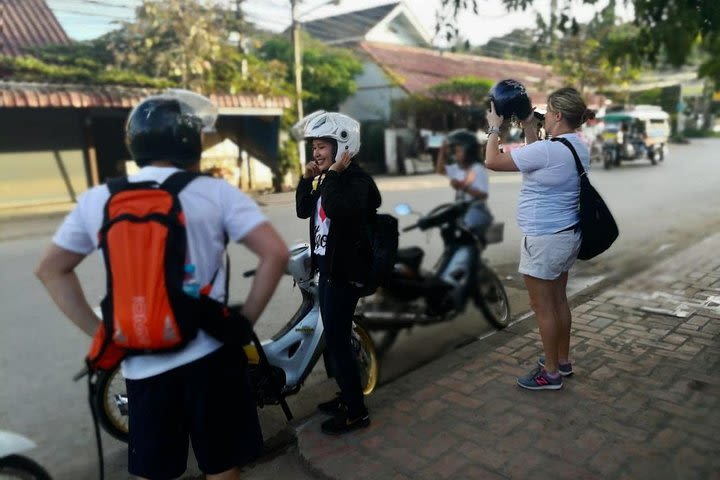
190,284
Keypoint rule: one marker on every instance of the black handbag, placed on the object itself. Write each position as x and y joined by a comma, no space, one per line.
597,224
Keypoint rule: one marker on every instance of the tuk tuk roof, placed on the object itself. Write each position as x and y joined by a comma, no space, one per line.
644,112
617,117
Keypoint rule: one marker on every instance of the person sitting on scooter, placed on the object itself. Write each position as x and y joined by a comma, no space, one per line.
468,177
339,208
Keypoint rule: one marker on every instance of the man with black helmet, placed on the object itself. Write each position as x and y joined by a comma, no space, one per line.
199,392
468,176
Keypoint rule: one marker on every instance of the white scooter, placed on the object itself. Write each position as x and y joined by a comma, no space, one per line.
13,465
281,365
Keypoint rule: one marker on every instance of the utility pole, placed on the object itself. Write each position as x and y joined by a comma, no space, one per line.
238,20
297,53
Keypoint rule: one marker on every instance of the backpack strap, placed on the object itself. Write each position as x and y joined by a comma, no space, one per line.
117,184
208,288
581,171
178,180
174,184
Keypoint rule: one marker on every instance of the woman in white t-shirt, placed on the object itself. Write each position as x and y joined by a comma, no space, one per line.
548,217
468,176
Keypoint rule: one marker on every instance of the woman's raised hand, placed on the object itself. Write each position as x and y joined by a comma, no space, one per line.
343,163
312,170
494,120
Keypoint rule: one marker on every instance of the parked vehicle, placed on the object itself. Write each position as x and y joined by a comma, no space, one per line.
644,130
14,465
278,367
414,296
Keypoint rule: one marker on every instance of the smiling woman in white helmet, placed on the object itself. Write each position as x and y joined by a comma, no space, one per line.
340,208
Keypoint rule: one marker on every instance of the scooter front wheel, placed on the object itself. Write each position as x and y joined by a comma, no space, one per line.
652,156
21,468
387,340
491,298
366,358
110,403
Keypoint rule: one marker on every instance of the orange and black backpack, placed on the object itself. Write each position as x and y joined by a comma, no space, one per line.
144,244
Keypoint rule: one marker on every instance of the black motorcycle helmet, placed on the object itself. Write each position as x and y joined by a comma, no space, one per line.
468,140
169,127
510,98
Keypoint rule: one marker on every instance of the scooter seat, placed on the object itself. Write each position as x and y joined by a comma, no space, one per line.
410,256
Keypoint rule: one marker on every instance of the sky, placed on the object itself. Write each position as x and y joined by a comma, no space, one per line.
86,19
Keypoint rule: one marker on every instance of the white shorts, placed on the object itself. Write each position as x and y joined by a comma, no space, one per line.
549,256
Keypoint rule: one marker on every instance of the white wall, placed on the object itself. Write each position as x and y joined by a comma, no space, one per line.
374,95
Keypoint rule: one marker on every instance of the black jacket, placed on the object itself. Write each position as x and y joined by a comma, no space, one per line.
350,199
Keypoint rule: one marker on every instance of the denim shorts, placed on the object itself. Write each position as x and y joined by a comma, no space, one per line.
549,256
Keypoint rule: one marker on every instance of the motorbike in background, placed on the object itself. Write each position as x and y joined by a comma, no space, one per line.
13,465
413,296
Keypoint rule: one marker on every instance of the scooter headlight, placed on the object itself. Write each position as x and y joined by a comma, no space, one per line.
300,263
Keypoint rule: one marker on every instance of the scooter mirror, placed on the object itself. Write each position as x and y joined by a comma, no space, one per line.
403,209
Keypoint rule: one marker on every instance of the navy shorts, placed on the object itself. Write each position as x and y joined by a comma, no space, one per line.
208,402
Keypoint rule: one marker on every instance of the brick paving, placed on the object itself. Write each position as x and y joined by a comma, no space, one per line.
644,402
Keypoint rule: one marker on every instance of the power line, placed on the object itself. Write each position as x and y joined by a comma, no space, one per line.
89,14
93,2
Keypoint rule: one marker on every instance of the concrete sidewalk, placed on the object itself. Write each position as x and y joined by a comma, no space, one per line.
644,401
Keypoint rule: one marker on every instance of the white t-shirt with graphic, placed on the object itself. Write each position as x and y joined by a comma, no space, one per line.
211,207
322,228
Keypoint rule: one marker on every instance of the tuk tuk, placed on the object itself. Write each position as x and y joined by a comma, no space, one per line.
635,134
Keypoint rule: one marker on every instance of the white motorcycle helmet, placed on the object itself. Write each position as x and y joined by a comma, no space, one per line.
345,131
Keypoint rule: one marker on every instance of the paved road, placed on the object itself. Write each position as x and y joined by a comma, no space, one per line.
659,210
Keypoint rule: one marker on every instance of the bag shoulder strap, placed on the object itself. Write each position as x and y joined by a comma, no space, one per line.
173,184
178,180
581,171
117,184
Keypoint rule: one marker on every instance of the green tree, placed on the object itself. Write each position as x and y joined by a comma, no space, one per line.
665,30
590,55
111,60
463,90
176,39
236,72
328,72
80,62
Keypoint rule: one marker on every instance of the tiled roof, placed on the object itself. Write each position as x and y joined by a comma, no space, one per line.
418,69
47,95
348,26
26,24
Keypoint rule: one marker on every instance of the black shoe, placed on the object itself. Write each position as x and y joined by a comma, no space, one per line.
342,423
332,407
